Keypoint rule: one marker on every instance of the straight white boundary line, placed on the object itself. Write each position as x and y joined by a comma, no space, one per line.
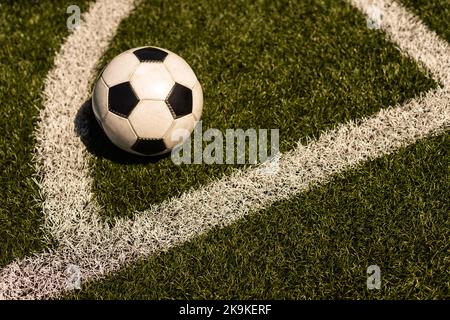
412,36
71,214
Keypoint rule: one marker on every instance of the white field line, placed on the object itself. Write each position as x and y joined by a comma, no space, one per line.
412,36
71,214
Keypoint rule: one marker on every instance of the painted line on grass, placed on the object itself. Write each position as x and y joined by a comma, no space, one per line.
412,36
61,160
71,213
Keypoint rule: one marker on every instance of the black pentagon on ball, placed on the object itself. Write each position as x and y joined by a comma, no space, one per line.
149,146
150,54
180,100
122,99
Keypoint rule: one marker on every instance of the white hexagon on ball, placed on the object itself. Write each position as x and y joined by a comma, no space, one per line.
119,131
179,69
100,99
152,81
120,68
179,131
151,119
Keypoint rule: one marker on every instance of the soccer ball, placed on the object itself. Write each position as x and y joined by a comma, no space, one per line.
147,100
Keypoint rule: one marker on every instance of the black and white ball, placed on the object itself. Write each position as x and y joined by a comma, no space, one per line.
147,100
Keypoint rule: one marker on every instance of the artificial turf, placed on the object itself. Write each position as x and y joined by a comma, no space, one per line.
299,66
435,14
31,33
391,212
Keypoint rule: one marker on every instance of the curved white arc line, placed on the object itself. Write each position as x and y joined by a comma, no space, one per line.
72,217
61,157
178,220
69,208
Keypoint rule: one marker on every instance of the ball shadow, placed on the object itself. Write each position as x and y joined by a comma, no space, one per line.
98,144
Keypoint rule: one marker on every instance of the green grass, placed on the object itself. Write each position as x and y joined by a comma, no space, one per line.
435,13
392,212
30,34
300,66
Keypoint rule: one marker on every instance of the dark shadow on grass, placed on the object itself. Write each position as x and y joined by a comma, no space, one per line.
98,144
